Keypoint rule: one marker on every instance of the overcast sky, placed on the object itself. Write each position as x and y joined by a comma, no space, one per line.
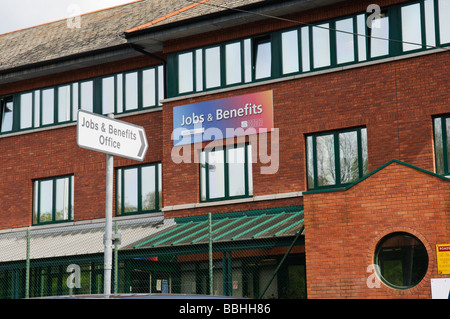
20,14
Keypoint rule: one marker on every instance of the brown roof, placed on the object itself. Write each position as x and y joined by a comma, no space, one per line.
99,30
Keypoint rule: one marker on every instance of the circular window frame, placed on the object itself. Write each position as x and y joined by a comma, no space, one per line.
378,247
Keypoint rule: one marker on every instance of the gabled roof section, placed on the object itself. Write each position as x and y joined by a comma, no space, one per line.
374,172
100,30
192,9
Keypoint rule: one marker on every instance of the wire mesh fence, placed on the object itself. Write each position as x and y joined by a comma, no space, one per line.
254,256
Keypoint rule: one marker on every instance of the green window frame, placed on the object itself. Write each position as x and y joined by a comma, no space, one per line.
53,200
226,172
56,105
6,114
401,260
138,189
323,45
336,158
441,132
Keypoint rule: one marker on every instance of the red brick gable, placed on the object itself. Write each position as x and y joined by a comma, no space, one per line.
342,229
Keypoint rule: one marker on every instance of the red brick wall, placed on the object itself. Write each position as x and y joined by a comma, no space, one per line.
342,230
54,153
396,109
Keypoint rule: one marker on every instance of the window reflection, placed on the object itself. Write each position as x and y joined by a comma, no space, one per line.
212,67
185,73
430,32
305,49
263,58
379,44
64,103
87,96
326,169
321,45
149,87
216,174
138,189
130,181
345,50
411,27
444,21
131,91
233,63
337,158
226,173
289,42
348,155
108,93
26,110
48,106
53,200
148,191
236,170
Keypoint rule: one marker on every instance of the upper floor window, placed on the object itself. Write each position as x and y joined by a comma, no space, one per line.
226,173
336,158
53,200
116,93
442,144
391,31
6,109
139,189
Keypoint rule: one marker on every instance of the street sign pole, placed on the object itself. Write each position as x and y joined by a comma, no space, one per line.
115,138
108,223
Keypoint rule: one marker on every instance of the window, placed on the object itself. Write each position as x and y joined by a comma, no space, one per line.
336,158
139,89
441,144
321,45
444,21
411,27
345,48
379,35
233,63
402,260
262,57
7,108
226,173
290,54
139,189
212,67
185,72
53,200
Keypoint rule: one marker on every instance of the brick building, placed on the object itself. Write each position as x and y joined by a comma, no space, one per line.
335,161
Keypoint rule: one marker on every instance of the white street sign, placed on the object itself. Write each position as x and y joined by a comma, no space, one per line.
103,134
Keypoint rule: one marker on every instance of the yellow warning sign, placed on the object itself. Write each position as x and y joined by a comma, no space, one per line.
443,259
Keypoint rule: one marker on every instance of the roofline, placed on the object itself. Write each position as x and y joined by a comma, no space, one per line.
196,25
70,17
344,188
20,72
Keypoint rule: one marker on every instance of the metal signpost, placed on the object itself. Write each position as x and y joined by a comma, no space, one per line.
115,138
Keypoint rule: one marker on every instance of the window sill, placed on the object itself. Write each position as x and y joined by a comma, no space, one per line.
232,201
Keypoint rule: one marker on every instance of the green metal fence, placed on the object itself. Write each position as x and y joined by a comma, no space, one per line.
257,254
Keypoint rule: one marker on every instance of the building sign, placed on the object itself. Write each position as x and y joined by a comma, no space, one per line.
102,134
218,119
443,259
440,288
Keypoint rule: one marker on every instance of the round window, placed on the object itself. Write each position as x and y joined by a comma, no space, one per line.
402,260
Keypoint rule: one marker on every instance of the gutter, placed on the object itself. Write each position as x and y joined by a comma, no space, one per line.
164,62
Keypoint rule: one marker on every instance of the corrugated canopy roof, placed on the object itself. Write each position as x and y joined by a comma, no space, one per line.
250,225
